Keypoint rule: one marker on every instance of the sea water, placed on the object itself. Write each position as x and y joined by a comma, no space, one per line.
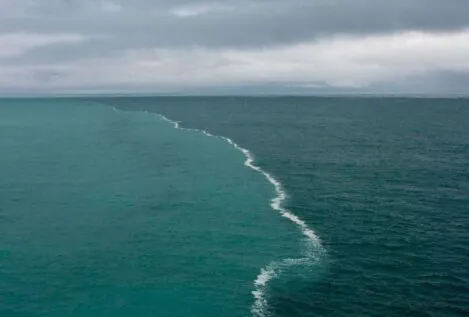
383,182
116,213
234,206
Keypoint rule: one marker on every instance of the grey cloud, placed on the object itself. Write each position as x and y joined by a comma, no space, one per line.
250,23
145,23
113,27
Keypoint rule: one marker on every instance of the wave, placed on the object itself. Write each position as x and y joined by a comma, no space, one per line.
313,251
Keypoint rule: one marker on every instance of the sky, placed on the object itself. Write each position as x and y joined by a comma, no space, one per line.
234,46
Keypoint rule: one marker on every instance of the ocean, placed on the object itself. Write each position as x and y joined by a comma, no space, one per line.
234,206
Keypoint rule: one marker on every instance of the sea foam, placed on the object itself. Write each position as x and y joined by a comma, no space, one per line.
313,250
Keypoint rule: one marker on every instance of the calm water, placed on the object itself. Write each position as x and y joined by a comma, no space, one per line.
116,213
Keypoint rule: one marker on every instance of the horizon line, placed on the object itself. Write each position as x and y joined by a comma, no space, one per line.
252,95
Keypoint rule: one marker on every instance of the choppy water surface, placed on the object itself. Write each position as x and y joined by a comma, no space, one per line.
384,182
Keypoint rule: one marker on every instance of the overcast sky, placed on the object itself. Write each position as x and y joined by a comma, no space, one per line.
265,46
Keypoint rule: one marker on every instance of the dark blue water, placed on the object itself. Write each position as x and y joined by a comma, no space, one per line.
383,181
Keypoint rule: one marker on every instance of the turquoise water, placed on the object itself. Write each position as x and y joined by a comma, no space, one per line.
113,213
120,212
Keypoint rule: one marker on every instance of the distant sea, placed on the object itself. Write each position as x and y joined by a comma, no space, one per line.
234,206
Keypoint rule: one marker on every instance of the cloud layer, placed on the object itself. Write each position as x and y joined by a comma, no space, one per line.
182,45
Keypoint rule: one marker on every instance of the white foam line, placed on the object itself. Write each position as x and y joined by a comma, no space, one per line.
314,249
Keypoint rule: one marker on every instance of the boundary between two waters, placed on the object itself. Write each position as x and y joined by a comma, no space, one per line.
313,252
